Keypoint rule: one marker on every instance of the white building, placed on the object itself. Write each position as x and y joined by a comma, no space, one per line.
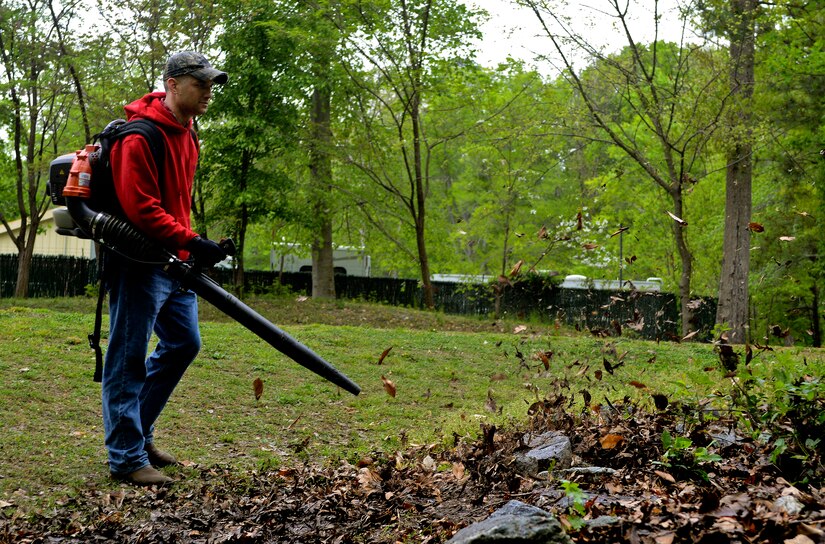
48,242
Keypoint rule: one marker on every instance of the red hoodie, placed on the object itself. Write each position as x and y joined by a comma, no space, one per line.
159,210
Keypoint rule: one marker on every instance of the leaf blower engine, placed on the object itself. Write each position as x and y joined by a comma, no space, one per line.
71,184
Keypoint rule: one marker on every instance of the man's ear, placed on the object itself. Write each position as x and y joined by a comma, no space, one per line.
172,85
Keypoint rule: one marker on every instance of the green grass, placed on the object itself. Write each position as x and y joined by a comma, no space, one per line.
444,369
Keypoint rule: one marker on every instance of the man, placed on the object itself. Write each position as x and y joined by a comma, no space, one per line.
157,200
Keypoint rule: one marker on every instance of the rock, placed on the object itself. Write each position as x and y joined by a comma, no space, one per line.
602,521
549,448
589,473
788,504
515,523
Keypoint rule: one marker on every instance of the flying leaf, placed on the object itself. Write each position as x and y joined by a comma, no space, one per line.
756,227
383,355
690,335
681,222
787,238
621,230
258,388
516,268
389,387
519,329
490,403
544,358
611,441
590,245
660,401
542,234
579,225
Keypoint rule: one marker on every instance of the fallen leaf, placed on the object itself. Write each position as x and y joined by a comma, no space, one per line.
637,385
664,538
383,355
389,387
665,476
369,479
498,377
458,471
519,329
258,387
611,441
798,539
5,504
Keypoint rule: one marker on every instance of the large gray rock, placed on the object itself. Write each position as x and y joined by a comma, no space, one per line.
548,449
516,523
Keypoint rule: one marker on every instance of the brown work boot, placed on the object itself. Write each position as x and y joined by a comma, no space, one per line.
158,458
147,475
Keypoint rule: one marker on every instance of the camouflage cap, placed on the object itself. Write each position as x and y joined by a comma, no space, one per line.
190,63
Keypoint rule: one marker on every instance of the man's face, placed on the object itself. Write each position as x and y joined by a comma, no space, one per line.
193,95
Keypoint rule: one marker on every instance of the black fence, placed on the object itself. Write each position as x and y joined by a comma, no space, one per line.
652,315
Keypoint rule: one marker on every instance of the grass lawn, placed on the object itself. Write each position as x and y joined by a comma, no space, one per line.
451,374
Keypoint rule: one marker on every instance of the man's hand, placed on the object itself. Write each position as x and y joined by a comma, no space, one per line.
206,252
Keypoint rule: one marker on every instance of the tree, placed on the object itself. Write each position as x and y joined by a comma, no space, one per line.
732,309
251,122
34,85
659,104
393,52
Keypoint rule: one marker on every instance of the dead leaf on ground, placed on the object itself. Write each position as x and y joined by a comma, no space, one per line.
665,476
611,441
258,388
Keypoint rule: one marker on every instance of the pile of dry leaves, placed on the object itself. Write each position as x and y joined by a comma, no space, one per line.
677,477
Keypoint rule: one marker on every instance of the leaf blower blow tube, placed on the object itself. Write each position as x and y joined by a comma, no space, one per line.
120,236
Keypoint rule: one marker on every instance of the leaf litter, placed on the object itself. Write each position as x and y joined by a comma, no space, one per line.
646,489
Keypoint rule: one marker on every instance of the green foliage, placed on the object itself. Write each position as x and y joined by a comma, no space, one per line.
576,499
684,459
786,411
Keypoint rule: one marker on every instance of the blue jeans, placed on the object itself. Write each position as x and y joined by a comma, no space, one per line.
142,299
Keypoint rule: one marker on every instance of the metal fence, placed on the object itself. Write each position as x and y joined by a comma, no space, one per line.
652,315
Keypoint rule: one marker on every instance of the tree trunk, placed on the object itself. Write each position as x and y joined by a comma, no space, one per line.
732,310
686,258
323,266
816,324
420,204
24,262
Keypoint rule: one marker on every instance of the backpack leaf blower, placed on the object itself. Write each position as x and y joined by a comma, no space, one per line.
69,185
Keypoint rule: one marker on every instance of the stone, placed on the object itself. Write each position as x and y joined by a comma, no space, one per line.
788,504
514,523
548,449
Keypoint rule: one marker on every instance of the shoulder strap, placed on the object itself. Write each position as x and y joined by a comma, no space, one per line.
119,128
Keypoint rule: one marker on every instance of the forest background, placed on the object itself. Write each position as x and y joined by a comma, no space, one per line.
371,123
